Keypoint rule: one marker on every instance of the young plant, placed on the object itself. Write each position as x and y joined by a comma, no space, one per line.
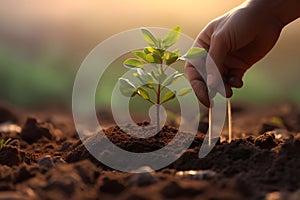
4,142
156,81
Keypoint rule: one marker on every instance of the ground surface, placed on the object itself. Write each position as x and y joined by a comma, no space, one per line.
46,160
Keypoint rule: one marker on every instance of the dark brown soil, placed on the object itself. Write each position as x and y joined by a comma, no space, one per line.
46,160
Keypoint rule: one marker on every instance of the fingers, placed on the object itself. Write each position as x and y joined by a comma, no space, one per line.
234,77
198,84
215,60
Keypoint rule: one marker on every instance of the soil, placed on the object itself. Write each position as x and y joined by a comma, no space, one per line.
47,160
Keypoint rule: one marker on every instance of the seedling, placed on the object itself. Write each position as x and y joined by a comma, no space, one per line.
156,81
4,142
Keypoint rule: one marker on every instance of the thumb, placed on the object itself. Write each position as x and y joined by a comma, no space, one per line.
214,64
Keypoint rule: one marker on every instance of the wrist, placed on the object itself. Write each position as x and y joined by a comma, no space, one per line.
283,11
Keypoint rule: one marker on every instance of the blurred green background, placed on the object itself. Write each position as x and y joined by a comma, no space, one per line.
42,44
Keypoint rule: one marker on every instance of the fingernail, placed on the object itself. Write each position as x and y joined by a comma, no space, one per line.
235,82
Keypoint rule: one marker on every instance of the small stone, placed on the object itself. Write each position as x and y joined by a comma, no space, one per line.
46,163
142,179
9,127
281,134
266,140
197,174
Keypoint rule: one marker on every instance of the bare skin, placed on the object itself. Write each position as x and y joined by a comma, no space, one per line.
239,39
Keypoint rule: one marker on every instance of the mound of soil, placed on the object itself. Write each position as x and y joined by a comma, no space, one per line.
47,160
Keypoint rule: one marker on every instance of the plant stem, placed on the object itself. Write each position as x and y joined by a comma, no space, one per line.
209,125
157,108
229,120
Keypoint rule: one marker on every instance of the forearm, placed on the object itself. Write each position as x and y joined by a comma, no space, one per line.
285,11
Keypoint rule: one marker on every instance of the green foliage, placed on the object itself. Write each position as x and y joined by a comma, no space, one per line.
194,53
127,88
149,38
133,63
168,96
172,37
4,142
158,55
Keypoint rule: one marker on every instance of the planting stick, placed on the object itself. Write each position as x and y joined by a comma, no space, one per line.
209,125
229,119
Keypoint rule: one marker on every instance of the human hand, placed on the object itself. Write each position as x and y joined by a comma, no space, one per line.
235,41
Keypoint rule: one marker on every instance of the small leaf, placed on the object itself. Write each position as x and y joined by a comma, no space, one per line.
149,37
171,58
154,76
127,88
160,71
143,93
148,50
193,53
157,58
145,76
161,77
184,91
168,96
133,63
149,58
172,37
7,141
140,54
172,78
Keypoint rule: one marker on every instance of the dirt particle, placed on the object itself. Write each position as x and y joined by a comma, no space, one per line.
142,179
46,163
266,140
33,130
10,156
112,186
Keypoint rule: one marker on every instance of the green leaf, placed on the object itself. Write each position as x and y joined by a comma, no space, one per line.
7,141
193,53
172,37
143,93
157,58
140,54
149,58
172,78
148,50
154,76
149,37
184,91
143,81
133,63
147,77
171,58
168,96
161,77
127,88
